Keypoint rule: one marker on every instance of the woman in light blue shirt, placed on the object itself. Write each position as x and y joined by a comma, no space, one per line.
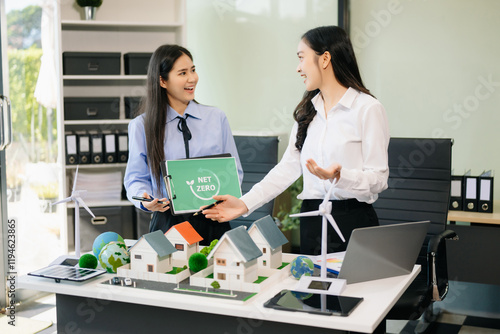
171,126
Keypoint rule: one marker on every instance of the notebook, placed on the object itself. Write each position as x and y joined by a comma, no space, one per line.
382,251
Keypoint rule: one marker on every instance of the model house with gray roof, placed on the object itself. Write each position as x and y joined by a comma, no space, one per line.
235,259
268,237
152,253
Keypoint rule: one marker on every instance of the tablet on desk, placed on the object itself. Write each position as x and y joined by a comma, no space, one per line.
316,303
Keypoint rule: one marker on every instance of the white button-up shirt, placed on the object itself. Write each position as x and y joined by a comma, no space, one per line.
354,133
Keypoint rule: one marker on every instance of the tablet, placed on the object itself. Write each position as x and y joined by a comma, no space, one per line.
316,303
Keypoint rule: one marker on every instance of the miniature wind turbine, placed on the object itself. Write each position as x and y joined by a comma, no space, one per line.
76,196
325,210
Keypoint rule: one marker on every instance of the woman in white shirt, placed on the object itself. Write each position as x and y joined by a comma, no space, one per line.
340,136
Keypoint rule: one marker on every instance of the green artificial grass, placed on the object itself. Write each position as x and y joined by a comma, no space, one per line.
248,297
260,279
283,265
210,276
175,270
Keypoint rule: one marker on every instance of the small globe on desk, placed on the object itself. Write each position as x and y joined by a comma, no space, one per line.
301,265
103,239
113,256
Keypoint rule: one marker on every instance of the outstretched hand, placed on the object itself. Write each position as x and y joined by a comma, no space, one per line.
330,173
231,208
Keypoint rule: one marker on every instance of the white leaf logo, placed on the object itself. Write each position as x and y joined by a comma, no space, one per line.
190,183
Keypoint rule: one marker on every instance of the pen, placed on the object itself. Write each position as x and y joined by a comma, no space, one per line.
208,207
137,198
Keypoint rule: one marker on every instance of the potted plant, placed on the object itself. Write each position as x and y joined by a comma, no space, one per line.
289,204
89,7
47,193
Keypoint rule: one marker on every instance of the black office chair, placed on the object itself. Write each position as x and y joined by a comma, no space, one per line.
419,189
258,155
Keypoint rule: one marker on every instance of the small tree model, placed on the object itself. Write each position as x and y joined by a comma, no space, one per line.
197,262
89,3
215,285
88,261
205,251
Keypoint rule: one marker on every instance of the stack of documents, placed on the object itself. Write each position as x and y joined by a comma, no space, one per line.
333,261
100,186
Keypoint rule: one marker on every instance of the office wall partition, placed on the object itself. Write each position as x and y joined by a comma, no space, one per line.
246,55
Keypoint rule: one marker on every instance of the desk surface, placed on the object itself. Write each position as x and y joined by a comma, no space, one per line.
477,217
379,297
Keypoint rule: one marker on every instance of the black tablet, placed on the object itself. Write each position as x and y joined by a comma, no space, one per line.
313,303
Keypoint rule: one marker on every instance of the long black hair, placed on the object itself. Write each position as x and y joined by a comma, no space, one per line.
155,104
345,68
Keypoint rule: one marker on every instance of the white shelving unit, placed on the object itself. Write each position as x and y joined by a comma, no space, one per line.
121,26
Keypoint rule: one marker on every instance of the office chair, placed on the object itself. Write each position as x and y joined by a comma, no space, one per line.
258,155
419,189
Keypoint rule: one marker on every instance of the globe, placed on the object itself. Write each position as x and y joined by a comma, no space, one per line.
113,256
302,265
103,239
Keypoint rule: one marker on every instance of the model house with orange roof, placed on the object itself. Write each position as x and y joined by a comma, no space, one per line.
185,240
268,237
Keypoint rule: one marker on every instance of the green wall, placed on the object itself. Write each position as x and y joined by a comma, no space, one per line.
434,65
245,55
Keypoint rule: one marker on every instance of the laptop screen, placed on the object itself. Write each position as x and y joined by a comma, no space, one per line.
382,251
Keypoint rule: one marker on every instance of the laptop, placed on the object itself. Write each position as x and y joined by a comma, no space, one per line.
382,251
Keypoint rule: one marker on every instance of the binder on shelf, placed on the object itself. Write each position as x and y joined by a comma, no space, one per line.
83,141
109,148
456,192
122,144
485,202
71,149
470,192
96,148
191,183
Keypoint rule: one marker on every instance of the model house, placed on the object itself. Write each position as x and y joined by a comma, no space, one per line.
235,258
152,253
185,240
268,237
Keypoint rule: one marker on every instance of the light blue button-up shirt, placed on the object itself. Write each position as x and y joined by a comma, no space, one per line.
211,135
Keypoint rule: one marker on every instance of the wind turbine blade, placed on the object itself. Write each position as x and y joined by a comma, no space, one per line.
328,193
61,201
335,226
82,203
76,177
306,214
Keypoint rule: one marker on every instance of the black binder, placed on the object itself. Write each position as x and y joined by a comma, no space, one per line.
96,148
83,148
109,148
456,192
470,193
71,149
485,201
122,146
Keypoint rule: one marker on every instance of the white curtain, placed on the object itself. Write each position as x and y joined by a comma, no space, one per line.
46,86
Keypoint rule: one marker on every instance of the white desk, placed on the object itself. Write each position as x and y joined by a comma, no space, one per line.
78,298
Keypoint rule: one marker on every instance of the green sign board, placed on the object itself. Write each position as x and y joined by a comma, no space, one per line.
191,183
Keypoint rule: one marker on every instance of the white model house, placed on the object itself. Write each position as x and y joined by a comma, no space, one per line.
152,253
185,240
235,259
268,237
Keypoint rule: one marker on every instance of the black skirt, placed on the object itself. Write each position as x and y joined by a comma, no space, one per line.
348,214
208,229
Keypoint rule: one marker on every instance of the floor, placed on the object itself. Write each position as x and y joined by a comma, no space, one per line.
44,309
